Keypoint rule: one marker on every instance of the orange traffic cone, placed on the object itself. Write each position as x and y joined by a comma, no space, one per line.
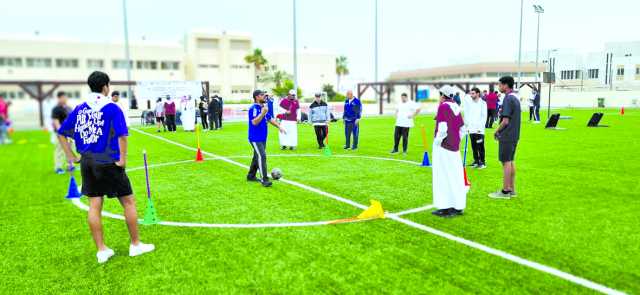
199,157
622,111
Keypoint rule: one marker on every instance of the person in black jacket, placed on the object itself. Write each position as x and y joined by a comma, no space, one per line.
214,110
202,106
221,103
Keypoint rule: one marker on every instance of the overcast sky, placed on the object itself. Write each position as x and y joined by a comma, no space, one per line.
413,33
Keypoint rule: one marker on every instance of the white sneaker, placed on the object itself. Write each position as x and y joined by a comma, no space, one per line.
104,255
135,250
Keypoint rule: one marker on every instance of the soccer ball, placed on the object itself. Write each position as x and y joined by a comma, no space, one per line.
276,173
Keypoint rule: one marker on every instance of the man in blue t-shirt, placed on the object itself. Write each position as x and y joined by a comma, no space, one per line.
99,130
259,115
351,116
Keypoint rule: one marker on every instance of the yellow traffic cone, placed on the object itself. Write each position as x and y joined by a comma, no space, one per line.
374,211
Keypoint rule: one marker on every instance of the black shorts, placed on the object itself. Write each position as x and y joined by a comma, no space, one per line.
159,119
100,180
507,151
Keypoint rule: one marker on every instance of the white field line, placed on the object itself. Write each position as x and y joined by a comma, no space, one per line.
414,210
519,260
84,207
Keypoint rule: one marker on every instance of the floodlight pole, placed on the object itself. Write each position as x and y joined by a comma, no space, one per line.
520,45
295,49
538,43
126,49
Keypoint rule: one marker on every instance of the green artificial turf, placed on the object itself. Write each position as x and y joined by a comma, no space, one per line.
576,210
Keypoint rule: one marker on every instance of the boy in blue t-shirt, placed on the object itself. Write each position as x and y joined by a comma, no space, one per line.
99,130
259,115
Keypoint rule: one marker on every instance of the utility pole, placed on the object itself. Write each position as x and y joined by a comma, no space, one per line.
520,45
376,41
126,50
295,49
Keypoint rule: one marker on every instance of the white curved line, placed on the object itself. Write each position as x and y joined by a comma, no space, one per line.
84,207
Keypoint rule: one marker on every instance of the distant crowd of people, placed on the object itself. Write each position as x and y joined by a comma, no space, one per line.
209,110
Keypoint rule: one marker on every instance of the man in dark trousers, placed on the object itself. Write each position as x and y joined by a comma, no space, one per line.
220,113
508,134
258,118
319,116
351,117
214,110
170,114
492,106
58,115
536,106
99,130
202,106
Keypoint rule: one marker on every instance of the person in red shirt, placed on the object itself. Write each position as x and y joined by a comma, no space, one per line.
492,106
290,106
4,120
170,114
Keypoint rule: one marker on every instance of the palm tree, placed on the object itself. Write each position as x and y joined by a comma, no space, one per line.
276,78
258,61
341,69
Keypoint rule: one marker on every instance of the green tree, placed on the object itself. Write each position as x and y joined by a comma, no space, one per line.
277,78
258,61
283,90
342,69
328,88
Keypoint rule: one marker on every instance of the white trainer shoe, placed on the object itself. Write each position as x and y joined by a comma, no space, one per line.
104,255
135,250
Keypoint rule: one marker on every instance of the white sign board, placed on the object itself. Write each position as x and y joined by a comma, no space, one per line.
184,94
151,90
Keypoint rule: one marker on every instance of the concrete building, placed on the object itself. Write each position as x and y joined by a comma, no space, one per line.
616,67
582,78
478,72
201,55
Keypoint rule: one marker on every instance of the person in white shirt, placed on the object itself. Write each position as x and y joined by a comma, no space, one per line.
475,118
406,111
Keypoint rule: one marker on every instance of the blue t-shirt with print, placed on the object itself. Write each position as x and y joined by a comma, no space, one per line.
96,131
258,133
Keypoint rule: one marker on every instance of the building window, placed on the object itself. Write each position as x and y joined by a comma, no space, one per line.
208,66
207,43
637,72
95,63
593,73
620,73
66,63
570,75
147,65
121,64
170,65
240,45
236,67
37,62
10,62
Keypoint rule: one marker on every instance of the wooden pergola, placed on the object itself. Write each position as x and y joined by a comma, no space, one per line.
383,89
40,90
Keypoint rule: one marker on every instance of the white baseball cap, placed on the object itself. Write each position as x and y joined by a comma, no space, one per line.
292,92
447,91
